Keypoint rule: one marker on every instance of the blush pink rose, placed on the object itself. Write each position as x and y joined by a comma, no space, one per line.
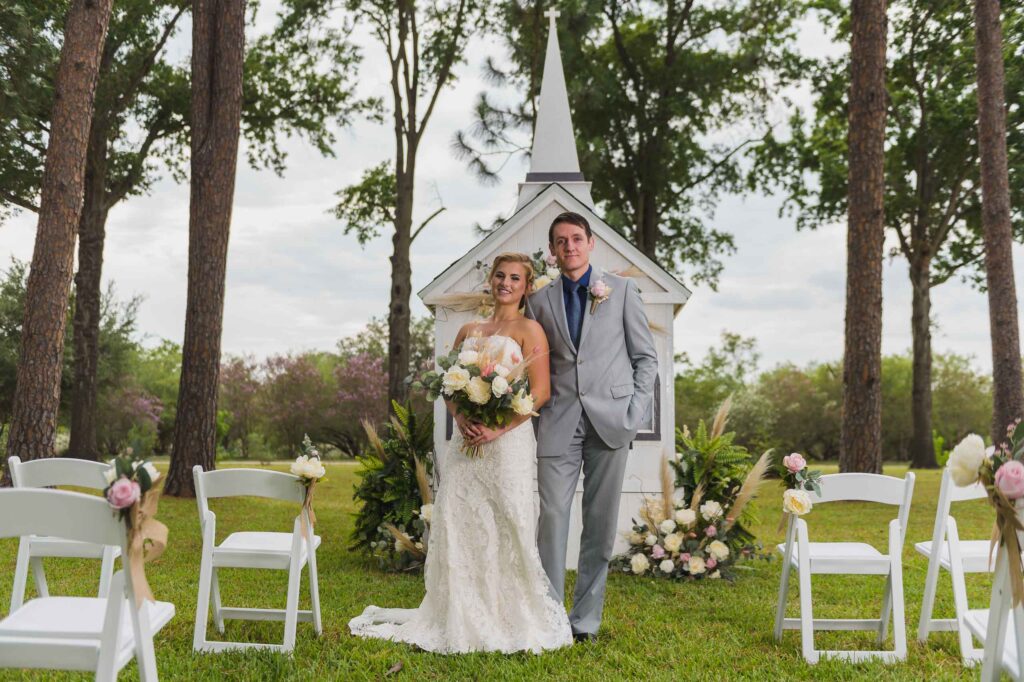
710,562
551,260
487,370
599,289
123,493
685,556
657,552
1010,479
794,462
711,531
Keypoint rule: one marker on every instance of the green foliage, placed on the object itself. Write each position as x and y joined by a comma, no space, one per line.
939,444
388,491
368,204
651,84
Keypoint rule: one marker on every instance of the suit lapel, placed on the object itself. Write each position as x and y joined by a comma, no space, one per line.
595,275
557,302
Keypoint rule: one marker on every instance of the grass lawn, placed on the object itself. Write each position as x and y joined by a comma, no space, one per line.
653,629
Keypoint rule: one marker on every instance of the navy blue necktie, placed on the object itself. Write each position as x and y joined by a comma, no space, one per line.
574,314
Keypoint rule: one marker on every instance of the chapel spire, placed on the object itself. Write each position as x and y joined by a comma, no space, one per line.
554,157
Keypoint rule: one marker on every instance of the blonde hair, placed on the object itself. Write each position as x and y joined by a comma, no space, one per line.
521,259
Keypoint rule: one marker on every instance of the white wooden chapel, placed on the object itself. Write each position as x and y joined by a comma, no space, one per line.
553,185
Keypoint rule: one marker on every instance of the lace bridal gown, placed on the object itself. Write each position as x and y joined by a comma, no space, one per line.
485,587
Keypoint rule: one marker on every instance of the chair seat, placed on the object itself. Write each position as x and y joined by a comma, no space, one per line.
255,549
849,558
76,621
977,622
46,546
973,553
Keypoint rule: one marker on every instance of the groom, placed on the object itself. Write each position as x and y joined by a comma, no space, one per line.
603,367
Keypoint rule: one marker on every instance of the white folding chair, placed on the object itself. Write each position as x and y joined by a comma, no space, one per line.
956,556
1002,638
77,633
44,473
848,558
282,551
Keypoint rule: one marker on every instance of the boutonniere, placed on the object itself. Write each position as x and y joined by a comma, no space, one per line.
599,293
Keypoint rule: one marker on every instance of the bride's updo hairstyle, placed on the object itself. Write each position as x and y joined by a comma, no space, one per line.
520,258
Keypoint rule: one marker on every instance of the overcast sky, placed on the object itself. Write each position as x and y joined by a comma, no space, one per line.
295,282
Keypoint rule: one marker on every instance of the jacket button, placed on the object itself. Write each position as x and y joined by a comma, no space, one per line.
582,393
579,362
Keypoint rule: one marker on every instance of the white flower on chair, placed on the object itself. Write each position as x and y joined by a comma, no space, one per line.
966,459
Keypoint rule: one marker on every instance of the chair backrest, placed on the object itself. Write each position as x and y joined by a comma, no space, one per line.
275,485
955,493
52,471
869,488
59,513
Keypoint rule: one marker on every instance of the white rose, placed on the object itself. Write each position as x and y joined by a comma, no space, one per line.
419,545
667,526
686,517
478,390
426,511
501,370
718,549
966,459
636,539
666,566
151,469
697,565
651,540
551,273
522,403
455,379
298,467
639,563
499,386
398,546
796,502
711,510
110,474
673,542
468,357
541,282
715,576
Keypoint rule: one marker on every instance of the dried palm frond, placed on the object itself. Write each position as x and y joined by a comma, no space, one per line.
373,438
464,301
698,495
652,513
519,369
753,481
405,541
668,488
631,272
426,494
721,418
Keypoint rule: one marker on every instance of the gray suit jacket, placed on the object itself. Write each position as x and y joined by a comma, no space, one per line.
612,374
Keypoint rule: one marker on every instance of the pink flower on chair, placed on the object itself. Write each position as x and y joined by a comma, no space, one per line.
123,493
1010,479
794,462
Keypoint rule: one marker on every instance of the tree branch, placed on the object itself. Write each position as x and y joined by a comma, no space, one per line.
446,65
424,223
9,198
145,66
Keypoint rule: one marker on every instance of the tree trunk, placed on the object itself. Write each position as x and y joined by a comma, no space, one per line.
37,394
648,229
922,449
88,284
399,316
1007,392
218,47
861,440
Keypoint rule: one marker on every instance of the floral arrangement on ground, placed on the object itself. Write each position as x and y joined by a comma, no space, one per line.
701,533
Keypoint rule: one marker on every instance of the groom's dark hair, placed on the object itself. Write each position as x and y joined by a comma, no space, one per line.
571,218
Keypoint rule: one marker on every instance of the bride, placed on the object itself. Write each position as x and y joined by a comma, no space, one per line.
485,587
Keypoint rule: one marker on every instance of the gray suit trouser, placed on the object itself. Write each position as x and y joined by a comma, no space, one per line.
603,471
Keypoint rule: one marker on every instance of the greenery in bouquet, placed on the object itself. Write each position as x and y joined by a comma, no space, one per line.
482,389
700,534
394,491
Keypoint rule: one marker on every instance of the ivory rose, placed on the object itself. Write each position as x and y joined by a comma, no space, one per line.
478,390
639,564
686,517
796,501
455,379
966,459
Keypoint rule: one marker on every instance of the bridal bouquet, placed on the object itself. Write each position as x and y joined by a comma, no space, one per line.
482,389
1001,471
131,492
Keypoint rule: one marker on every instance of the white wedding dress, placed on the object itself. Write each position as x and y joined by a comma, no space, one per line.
485,587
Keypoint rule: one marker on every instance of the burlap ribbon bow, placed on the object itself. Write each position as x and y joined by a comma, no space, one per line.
147,539
1004,532
307,505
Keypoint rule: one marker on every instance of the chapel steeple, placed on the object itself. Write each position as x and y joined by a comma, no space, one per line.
554,158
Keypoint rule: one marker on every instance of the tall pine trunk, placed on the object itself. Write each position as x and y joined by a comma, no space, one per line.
1008,394
86,322
218,46
40,361
861,439
922,449
399,314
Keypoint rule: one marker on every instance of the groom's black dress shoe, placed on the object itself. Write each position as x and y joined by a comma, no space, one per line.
584,637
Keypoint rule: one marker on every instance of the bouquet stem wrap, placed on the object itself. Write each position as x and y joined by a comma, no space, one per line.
144,533
1005,532
307,505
